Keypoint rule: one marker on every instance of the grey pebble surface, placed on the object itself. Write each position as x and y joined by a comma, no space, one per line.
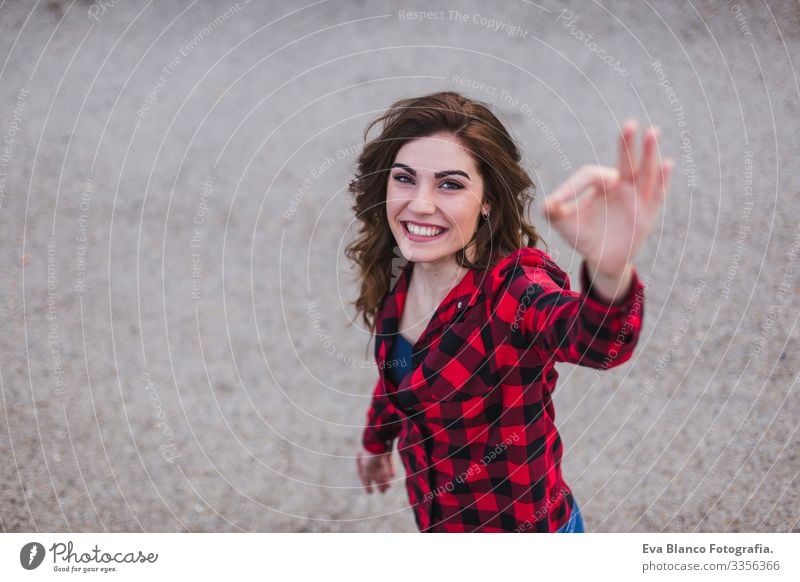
177,348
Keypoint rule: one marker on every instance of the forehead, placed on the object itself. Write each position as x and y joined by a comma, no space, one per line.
436,152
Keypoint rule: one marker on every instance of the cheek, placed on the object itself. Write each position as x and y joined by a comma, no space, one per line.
465,215
467,225
392,210
393,202
395,193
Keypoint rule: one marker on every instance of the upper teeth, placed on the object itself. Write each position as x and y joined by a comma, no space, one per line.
423,230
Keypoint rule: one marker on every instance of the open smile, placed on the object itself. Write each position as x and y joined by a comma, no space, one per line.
422,233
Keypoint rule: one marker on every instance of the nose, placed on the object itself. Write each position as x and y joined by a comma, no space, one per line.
421,200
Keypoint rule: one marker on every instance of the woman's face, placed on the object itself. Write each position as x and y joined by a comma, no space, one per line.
434,198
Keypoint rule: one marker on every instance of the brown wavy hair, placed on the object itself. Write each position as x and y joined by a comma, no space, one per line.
507,188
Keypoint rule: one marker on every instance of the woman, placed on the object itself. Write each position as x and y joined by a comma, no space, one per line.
467,336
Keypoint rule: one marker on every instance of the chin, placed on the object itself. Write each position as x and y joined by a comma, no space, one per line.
426,255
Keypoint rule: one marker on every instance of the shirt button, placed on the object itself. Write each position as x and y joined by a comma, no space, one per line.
459,305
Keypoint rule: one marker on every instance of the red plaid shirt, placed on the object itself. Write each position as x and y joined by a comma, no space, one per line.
474,415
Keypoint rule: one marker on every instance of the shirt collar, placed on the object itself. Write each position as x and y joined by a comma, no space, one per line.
462,296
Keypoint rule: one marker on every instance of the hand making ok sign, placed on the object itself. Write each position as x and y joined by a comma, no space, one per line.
606,213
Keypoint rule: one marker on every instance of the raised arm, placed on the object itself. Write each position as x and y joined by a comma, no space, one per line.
562,325
606,213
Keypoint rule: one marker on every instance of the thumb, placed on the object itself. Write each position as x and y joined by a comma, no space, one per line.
553,210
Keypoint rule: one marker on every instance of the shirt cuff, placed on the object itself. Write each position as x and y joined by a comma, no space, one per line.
377,447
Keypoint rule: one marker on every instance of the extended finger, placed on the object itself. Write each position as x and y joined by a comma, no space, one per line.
663,181
388,465
383,484
363,475
627,152
648,175
382,476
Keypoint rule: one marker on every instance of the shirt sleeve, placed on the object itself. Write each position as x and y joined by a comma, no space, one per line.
383,422
566,326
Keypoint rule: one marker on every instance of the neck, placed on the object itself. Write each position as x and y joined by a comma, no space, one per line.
432,281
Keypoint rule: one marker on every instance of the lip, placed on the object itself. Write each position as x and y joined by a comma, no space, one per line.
417,238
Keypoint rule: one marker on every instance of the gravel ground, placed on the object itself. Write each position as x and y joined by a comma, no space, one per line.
176,353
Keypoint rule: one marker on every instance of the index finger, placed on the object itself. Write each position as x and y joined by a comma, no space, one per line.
571,192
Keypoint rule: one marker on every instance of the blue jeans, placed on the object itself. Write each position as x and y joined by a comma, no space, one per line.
575,523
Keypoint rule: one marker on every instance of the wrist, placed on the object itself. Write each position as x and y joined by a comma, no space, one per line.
609,286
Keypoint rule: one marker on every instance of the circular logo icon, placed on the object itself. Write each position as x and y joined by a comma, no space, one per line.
31,555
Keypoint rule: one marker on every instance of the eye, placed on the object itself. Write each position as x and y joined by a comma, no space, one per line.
451,185
403,178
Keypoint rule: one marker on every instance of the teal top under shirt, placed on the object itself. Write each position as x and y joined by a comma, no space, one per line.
400,358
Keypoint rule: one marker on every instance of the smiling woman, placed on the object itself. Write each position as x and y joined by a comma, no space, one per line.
478,317
459,134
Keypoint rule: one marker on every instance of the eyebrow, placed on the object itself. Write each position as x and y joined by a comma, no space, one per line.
437,175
